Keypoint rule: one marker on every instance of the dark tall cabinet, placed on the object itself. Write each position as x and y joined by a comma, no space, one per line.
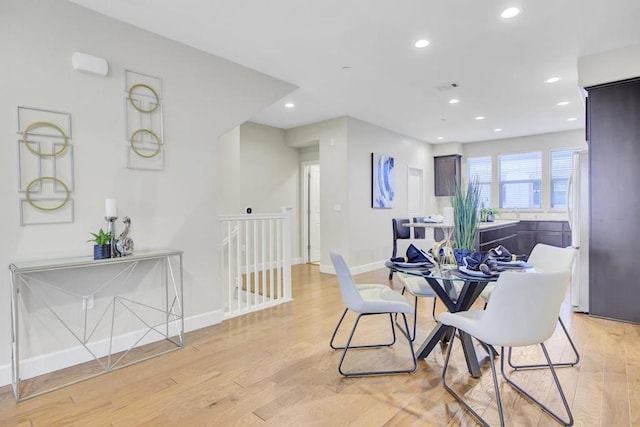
613,126
446,174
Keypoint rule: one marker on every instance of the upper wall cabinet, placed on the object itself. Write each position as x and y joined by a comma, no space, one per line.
447,174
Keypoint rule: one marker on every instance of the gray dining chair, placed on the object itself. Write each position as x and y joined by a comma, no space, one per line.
367,300
523,311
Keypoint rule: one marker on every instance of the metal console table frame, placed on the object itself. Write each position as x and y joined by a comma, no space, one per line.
24,275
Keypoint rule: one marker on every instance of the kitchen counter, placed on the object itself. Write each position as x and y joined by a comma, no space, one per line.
498,223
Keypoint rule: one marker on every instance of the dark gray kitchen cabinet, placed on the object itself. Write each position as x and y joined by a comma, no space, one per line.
446,174
613,125
554,233
500,235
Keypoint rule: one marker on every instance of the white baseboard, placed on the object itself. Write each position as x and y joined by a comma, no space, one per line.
365,268
54,361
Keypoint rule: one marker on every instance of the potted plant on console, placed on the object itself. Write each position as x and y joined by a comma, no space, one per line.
102,245
464,201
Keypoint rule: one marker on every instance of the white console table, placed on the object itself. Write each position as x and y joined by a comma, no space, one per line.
76,318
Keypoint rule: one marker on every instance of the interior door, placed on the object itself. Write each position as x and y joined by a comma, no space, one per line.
314,213
415,193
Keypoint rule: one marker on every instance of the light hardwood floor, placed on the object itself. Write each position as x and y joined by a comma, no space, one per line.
275,368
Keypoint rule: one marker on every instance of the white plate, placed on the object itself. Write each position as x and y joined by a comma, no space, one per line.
510,263
413,264
475,273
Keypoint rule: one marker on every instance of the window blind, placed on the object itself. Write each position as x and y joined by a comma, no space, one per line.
520,180
479,170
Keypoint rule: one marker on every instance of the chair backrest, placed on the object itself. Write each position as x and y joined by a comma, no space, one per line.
350,294
419,232
399,232
524,308
548,258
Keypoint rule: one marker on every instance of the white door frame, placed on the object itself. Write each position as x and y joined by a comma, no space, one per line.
304,250
421,204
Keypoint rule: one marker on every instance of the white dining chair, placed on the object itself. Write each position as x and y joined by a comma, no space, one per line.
418,287
523,311
366,300
546,258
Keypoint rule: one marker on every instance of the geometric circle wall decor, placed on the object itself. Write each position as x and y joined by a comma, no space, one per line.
144,124
45,166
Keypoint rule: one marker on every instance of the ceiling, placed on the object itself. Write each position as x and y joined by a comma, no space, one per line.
357,57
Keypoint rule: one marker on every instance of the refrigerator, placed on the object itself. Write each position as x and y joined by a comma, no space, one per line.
578,210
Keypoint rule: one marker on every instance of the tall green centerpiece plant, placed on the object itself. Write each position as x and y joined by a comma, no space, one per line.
464,201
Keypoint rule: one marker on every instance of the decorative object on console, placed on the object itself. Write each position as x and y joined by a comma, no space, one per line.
382,173
111,214
102,244
143,113
124,244
464,201
45,166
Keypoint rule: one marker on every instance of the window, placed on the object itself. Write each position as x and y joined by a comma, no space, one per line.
479,169
561,165
520,180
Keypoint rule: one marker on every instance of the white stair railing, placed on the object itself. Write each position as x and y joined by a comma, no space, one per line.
255,261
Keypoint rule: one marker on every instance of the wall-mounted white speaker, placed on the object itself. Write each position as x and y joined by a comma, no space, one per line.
90,64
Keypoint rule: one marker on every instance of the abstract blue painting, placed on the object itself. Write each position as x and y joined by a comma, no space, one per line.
382,171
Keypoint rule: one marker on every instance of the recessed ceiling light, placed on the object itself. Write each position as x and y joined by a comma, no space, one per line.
289,105
440,138
563,103
510,12
479,118
454,101
421,43
497,130
552,80
572,119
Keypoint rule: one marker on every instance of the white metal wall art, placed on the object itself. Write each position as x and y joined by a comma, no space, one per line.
45,166
144,133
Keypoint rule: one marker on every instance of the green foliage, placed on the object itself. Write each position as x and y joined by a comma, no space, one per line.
464,201
101,238
484,212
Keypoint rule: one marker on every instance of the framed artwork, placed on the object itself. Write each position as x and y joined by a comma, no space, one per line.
382,172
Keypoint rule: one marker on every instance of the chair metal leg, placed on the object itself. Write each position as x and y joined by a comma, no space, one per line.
415,315
450,390
537,402
335,331
556,364
348,346
511,383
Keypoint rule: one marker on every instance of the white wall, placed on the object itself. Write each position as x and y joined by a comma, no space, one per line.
270,176
350,225
610,66
369,229
203,97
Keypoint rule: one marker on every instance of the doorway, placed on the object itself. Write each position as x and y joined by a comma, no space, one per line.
311,209
415,192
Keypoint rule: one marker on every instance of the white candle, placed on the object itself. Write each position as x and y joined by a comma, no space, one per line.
110,208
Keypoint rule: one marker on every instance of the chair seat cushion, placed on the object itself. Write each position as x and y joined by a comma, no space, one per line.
382,299
416,285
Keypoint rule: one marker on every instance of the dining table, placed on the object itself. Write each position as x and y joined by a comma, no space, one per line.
443,280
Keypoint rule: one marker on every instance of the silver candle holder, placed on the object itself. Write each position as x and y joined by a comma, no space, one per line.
111,228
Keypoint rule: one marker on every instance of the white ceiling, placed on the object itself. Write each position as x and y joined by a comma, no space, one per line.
499,65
